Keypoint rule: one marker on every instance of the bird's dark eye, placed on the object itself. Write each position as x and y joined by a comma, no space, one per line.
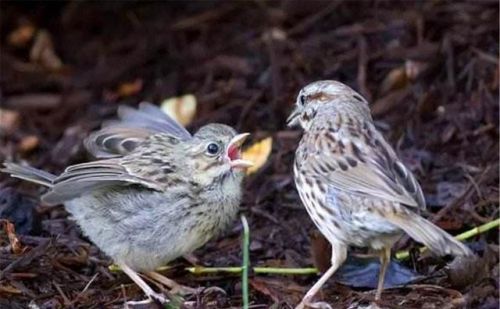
213,149
302,99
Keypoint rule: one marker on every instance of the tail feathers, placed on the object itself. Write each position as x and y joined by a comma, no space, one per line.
433,237
29,173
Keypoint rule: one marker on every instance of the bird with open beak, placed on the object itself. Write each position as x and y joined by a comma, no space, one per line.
155,193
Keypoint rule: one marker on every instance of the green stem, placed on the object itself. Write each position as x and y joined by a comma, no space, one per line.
258,270
286,271
403,255
246,261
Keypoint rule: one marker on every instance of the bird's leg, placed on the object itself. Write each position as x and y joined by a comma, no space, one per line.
385,258
152,295
174,287
339,254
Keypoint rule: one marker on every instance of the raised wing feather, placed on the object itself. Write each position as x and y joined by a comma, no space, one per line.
82,178
120,137
364,164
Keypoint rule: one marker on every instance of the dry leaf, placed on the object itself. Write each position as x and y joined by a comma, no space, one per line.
181,109
390,101
10,230
21,35
400,77
414,68
395,79
28,143
43,52
9,289
258,154
9,120
129,88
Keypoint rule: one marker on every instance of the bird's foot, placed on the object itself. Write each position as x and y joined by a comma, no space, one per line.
183,290
307,303
152,298
174,287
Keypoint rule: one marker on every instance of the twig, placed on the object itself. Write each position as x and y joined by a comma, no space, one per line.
310,21
115,268
402,255
246,261
84,289
464,195
362,64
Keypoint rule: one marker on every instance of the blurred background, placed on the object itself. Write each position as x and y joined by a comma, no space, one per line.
429,68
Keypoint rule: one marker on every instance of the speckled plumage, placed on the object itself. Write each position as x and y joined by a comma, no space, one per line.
355,189
156,193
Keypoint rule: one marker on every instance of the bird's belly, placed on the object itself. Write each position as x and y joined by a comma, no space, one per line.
146,229
345,220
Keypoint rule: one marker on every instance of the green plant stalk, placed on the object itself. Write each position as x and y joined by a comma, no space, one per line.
246,262
403,255
257,270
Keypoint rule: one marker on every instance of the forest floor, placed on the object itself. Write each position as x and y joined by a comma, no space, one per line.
430,69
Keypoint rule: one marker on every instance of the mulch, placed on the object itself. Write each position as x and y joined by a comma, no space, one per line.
429,68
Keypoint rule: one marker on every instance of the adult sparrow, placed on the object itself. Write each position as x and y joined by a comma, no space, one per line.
354,187
155,193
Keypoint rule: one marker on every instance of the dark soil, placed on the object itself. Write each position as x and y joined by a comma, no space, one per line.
430,68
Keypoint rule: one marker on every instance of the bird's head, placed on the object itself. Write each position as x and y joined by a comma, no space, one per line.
320,96
214,152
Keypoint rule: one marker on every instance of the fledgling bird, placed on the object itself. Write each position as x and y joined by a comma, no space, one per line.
354,187
155,193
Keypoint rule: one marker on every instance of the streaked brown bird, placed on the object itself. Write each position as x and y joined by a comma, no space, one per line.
354,187
156,193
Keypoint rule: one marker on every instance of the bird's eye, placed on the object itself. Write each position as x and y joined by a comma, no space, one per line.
213,149
302,99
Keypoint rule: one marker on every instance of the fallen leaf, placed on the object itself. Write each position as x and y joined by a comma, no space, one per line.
395,79
9,229
414,69
22,34
390,101
9,120
181,108
262,287
321,251
363,273
280,290
258,154
28,143
129,88
9,289
43,53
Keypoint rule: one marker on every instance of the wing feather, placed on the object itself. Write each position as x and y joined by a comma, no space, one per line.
119,137
85,177
364,165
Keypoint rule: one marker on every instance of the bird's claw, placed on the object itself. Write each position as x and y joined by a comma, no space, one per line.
155,297
158,298
183,290
306,303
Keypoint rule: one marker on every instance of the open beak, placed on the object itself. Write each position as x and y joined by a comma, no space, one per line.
233,152
292,119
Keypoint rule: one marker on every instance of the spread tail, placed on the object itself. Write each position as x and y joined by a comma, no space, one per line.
29,173
433,237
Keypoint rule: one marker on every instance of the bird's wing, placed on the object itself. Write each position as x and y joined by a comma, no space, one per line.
117,138
85,177
363,164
